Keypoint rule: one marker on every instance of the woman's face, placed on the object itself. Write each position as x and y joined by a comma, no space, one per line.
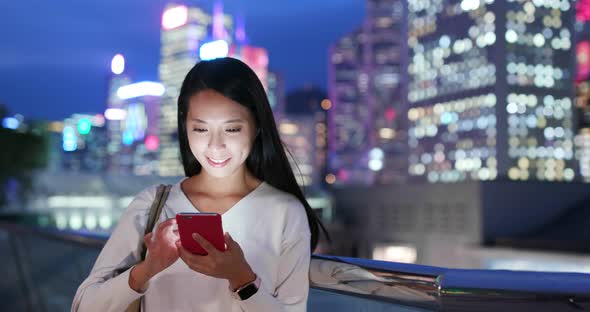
220,132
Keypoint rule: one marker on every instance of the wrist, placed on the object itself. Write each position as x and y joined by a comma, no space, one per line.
139,275
147,268
242,279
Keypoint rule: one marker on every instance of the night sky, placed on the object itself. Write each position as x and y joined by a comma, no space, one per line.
55,55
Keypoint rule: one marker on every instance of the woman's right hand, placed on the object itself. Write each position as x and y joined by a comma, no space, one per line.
161,246
162,253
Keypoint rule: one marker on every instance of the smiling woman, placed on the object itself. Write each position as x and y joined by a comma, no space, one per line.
220,131
235,167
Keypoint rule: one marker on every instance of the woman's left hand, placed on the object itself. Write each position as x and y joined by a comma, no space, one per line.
229,264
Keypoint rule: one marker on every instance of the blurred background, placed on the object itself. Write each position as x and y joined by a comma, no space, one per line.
441,132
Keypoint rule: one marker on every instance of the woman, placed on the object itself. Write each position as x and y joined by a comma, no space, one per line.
235,165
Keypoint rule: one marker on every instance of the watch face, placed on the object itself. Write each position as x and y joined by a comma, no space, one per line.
247,291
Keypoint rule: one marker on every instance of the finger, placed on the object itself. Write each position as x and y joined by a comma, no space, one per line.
178,245
228,238
192,260
147,239
186,254
205,244
229,241
165,226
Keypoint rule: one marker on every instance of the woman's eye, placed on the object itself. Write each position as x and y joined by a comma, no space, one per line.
234,130
199,130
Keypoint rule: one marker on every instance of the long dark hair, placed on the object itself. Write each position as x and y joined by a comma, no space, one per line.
267,160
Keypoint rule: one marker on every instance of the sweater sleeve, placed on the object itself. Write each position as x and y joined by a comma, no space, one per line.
292,288
107,286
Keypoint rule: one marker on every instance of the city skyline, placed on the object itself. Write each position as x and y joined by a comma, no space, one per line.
492,99
460,147
473,114
65,63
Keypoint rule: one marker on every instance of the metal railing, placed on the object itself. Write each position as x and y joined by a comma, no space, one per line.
42,268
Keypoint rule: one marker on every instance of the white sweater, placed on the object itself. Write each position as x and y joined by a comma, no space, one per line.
270,226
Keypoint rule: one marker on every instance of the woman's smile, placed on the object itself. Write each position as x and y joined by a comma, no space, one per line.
218,163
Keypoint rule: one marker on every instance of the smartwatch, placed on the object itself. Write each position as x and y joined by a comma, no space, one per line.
247,290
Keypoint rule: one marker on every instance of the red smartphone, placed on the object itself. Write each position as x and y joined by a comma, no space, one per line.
208,225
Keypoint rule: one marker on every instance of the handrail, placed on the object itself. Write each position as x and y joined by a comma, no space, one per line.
419,286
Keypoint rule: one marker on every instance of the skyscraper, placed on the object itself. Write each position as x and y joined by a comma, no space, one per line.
297,133
227,42
367,95
305,118
582,102
132,122
386,29
114,112
84,138
490,90
139,127
276,93
347,134
184,29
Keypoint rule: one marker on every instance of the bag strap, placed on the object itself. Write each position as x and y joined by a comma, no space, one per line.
155,211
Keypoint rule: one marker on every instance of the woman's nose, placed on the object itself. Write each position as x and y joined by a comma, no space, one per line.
216,141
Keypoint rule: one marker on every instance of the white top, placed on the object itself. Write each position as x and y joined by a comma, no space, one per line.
270,226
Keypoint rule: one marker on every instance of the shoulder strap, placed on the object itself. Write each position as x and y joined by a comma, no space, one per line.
155,211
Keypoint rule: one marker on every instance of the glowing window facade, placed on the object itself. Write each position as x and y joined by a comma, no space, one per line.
298,134
83,141
490,97
275,93
582,140
114,114
137,122
366,92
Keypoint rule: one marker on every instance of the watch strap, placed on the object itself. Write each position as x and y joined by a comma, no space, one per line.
248,290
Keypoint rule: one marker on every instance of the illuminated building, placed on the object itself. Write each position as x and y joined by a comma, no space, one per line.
582,140
117,79
184,29
139,128
298,135
367,96
84,141
306,110
223,44
276,93
491,97
386,27
255,57
348,133
55,143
